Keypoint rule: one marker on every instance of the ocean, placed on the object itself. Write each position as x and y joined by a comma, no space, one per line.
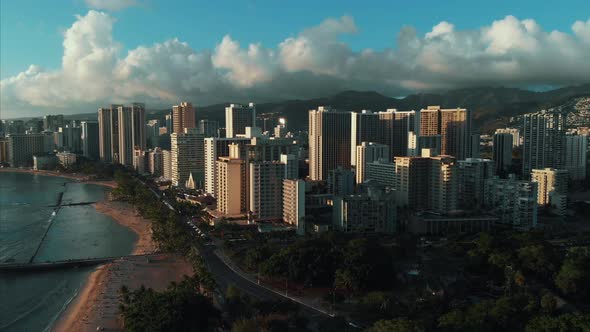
32,301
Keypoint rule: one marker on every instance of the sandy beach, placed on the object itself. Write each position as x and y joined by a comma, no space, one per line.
97,303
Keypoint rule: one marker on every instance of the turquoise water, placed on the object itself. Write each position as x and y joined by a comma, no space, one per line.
32,301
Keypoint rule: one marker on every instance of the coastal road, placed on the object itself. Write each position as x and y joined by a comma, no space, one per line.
225,276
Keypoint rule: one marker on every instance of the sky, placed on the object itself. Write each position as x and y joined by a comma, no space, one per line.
73,56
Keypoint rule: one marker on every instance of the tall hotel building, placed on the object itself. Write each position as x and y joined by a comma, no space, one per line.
576,156
395,128
187,157
231,183
294,204
502,151
552,187
543,138
366,153
237,118
183,116
131,131
454,127
90,139
364,127
265,189
329,141
121,129
512,131
216,147
22,147
427,183
108,134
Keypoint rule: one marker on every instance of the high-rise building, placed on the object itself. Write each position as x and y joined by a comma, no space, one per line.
552,188
372,212
340,181
291,163
364,127
368,152
168,123
513,202
454,127
53,122
576,156
237,118
427,183
152,133
167,164
72,138
22,147
209,128
265,186
183,117
394,129
329,141
188,157
475,145
89,137
543,138
216,147
3,150
417,143
108,134
131,131
294,204
381,171
156,162
502,152
231,183
512,131
473,172
281,129
140,160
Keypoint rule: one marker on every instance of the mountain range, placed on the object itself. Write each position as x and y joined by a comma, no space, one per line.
492,106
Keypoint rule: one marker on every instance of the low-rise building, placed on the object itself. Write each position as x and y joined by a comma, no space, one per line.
513,201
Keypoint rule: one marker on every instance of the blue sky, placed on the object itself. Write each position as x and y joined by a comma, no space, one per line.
71,56
31,29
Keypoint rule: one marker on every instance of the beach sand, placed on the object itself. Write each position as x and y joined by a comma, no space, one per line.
97,303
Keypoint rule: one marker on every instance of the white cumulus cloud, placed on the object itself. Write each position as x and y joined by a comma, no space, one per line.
315,62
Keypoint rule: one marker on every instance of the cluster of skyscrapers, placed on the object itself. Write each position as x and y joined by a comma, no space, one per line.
45,143
360,171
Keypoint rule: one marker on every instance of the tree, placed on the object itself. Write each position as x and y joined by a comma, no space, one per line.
345,281
178,308
574,276
397,325
563,323
245,325
548,303
537,259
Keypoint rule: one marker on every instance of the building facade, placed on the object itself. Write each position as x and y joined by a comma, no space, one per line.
514,202
543,141
329,141
183,117
238,117
188,157
368,152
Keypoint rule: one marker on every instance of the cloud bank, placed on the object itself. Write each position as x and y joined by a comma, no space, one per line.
313,63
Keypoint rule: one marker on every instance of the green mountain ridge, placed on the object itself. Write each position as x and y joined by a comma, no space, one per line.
491,106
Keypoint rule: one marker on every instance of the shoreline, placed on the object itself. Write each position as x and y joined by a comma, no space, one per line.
72,176
83,305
